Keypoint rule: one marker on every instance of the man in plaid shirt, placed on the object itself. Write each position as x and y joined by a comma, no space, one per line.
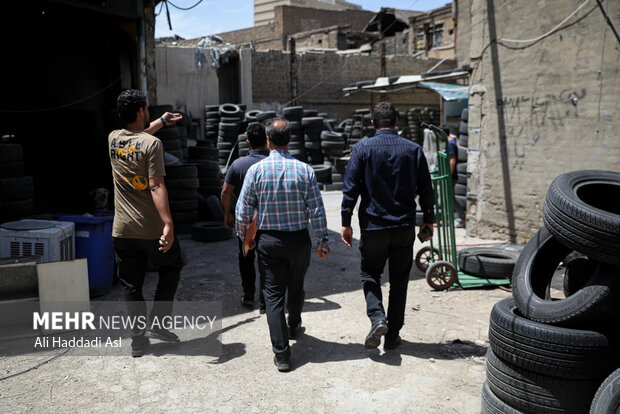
284,194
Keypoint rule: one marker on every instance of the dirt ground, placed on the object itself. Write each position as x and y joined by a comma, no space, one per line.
440,368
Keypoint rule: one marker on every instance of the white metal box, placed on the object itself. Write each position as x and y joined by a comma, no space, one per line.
53,241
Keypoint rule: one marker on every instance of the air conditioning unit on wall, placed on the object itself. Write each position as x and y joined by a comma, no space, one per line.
53,241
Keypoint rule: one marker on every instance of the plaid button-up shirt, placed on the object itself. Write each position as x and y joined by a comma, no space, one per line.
285,195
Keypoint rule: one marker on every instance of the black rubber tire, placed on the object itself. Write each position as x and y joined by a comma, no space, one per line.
336,177
202,153
332,145
208,231
212,115
309,113
181,171
230,110
171,144
168,133
460,189
487,262
577,273
177,206
465,115
12,169
207,191
208,169
332,136
186,183
607,397
337,185
463,128
230,127
177,153
462,179
227,146
265,116
312,145
209,108
592,305
16,188
582,211
461,168
462,154
312,122
537,393
322,173
293,113
463,141
214,207
251,115
461,201
550,350
181,194
491,404
10,153
341,164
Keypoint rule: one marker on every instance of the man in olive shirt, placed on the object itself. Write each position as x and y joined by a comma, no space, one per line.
143,225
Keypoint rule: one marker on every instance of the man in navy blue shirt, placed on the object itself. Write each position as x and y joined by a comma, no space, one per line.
387,171
257,141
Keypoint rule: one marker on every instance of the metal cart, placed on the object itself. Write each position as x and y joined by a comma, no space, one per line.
441,263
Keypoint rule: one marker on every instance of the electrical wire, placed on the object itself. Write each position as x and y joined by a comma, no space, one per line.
61,106
161,6
183,8
535,39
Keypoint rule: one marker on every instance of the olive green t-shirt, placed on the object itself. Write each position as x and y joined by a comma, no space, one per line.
135,157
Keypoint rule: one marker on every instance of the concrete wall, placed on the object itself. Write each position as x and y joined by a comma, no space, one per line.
537,109
321,76
180,82
462,27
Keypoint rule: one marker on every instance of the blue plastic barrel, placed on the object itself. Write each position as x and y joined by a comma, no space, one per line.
93,240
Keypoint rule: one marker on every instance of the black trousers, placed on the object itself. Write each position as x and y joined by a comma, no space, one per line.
377,247
283,259
131,258
248,275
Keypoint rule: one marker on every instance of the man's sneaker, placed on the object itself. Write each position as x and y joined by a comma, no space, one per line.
283,363
138,346
162,335
247,303
293,331
377,330
391,343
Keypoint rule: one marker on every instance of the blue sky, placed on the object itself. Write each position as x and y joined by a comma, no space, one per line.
217,16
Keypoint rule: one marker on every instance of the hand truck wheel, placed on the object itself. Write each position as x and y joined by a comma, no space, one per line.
441,275
425,257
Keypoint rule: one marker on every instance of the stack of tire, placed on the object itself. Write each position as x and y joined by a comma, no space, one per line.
460,188
231,126
250,117
173,138
212,123
313,126
16,188
294,114
551,355
333,145
205,159
182,184
413,122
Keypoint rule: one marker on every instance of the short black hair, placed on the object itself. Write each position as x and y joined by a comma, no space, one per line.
384,115
256,135
128,104
279,136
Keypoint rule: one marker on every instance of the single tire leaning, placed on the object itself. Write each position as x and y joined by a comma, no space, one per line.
538,393
607,397
591,305
493,405
582,211
488,262
210,231
550,350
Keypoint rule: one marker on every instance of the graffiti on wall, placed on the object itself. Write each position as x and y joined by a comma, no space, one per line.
529,120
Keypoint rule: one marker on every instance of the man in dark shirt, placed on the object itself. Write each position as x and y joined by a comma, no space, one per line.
387,171
257,141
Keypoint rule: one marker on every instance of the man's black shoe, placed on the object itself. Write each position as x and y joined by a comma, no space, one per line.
138,346
392,343
293,331
377,330
247,303
283,363
162,335
262,311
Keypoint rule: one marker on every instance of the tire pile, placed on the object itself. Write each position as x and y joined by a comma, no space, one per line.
561,355
173,138
232,124
415,116
16,188
460,188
